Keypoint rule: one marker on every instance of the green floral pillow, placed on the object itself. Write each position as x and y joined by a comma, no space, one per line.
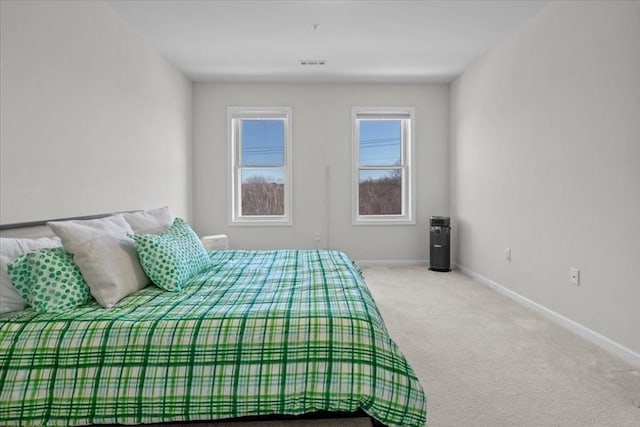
173,257
49,280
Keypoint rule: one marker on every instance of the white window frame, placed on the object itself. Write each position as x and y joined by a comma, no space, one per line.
234,117
407,114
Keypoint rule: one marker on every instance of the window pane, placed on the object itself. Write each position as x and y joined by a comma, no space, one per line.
380,142
380,192
262,143
262,192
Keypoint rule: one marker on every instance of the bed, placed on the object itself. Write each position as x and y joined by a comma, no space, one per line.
255,333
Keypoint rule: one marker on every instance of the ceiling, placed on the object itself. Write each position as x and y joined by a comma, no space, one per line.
361,41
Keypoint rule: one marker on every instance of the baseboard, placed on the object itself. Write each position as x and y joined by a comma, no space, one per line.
393,263
608,344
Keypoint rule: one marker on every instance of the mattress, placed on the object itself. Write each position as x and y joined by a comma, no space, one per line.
258,333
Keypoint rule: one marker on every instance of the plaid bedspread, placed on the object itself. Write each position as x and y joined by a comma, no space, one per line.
261,332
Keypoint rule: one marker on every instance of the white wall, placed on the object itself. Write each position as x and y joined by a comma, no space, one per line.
91,120
546,161
321,138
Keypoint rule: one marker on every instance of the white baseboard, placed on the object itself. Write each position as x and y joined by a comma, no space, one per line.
392,263
608,344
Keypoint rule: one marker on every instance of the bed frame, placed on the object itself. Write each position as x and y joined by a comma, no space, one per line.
39,228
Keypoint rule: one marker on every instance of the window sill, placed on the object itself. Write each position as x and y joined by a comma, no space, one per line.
383,221
261,223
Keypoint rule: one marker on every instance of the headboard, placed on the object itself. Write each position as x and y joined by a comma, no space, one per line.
39,228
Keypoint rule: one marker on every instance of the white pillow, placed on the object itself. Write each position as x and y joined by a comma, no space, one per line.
105,255
10,249
153,221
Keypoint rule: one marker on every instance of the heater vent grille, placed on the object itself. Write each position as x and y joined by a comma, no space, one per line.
316,62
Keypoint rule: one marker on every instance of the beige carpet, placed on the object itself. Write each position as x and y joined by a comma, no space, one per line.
484,360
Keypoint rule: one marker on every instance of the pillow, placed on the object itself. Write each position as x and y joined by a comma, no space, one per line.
10,249
153,221
49,280
104,254
171,258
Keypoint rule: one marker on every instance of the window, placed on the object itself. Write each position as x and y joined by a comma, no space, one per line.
382,172
260,141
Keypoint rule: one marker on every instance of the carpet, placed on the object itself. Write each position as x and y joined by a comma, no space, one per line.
485,360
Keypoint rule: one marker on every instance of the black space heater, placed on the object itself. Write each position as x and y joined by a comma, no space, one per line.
439,244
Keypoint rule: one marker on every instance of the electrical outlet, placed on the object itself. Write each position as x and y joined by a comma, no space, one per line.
507,254
316,237
574,276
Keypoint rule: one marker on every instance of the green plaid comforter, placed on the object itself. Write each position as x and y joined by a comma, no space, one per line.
261,332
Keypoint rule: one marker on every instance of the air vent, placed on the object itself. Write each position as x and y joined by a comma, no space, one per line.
312,62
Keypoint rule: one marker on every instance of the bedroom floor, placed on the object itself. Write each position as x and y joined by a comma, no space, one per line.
485,360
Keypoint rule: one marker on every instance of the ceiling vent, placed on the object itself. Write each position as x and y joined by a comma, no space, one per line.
312,62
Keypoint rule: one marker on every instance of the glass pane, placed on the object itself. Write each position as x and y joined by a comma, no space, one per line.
262,192
262,143
380,142
380,192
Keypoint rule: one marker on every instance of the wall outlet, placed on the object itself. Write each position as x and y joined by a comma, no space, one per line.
316,237
507,254
574,276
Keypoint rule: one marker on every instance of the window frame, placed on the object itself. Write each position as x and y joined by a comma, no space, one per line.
407,115
235,115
